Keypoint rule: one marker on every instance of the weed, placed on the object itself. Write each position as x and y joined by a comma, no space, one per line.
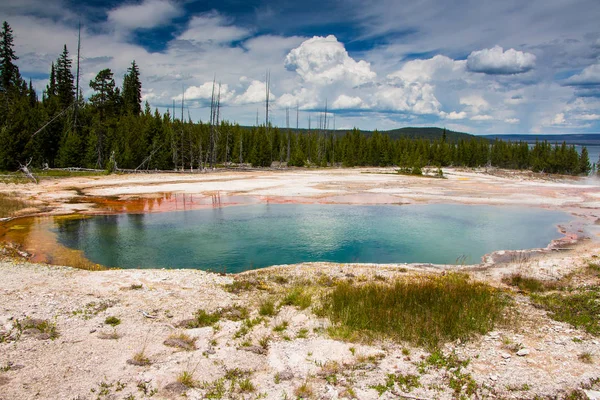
298,297
146,388
586,357
246,386
304,391
264,342
112,321
428,310
181,340
186,378
267,308
135,286
215,389
281,327
578,307
406,383
139,359
302,334
41,327
529,284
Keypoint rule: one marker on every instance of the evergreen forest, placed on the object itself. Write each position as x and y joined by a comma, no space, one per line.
113,130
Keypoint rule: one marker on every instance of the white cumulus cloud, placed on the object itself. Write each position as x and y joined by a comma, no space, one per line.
496,61
255,93
205,92
454,115
512,120
589,76
347,102
324,60
417,98
438,67
212,28
148,14
482,118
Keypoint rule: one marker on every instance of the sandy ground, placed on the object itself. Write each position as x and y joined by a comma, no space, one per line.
89,359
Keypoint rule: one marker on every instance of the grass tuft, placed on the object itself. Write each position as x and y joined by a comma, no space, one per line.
112,321
425,311
181,340
267,308
529,284
298,297
304,391
579,308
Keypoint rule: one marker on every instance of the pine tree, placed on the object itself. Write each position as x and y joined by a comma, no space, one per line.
132,90
9,72
51,88
65,87
584,162
104,98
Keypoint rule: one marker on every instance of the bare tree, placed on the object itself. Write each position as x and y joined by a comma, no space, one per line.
25,169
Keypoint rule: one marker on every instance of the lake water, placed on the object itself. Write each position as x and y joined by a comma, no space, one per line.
234,239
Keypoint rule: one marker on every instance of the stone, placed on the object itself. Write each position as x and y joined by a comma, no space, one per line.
523,352
254,349
592,394
506,356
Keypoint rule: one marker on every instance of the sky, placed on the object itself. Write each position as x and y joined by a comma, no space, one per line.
477,66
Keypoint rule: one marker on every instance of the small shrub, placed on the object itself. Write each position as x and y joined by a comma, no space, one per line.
112,321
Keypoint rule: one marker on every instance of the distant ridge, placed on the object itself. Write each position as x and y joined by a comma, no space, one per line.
575,138
430,133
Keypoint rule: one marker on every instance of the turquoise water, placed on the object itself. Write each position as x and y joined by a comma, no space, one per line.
235,239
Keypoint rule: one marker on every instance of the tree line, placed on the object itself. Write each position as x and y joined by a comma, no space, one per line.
112,130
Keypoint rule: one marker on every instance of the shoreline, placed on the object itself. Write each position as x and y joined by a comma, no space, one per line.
114,198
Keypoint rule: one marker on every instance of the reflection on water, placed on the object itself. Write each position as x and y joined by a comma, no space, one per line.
235,239
167,202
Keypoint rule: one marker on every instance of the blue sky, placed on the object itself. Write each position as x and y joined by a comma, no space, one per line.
481,66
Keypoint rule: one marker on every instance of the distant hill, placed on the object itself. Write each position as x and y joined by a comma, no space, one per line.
581,139
430,133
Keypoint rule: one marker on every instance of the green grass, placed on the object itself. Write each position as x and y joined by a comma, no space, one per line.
112,321
529,284
579,308
298,297
267,308
425,311
42,325
19,177
9,205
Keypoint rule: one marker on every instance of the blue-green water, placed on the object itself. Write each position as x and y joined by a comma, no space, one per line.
235,239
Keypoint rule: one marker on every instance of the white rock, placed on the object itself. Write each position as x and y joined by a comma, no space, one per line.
506,356
523,352
494,377
592,394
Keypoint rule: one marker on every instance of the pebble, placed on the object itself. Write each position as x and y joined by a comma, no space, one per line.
506,356
523,352
494,377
